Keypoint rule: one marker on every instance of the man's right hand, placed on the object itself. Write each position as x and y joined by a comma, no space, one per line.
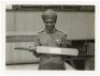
32,48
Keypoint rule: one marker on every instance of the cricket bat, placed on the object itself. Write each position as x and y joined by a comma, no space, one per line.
53,50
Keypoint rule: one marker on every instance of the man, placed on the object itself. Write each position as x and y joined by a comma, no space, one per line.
50,36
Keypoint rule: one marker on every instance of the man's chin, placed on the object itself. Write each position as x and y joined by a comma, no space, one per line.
49,30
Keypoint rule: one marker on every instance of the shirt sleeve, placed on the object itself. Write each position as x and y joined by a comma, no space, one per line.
64,41
36,43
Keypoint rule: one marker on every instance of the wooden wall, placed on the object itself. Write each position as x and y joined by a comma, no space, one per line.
77,25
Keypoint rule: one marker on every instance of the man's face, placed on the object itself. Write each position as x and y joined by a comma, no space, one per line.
49,23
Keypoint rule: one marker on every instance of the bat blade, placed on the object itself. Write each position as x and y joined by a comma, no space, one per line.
57,51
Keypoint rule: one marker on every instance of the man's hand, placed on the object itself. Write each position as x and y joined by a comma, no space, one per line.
32,48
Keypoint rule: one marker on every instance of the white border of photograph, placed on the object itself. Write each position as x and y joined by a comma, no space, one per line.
5,72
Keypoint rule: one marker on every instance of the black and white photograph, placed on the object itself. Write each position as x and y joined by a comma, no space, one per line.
50,37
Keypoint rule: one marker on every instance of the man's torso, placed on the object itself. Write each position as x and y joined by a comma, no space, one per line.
53,39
